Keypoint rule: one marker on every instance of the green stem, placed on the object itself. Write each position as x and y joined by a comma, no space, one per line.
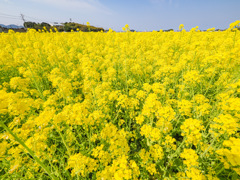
64,142
202,155
173,155
220,171
29,151
59,175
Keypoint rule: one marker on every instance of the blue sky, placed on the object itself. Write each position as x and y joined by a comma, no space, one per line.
141,15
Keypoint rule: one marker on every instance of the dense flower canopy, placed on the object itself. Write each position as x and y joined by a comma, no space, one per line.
131,105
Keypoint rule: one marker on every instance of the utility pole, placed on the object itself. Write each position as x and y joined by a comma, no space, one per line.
22,16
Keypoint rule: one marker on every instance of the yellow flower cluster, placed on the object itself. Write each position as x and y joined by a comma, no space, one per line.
129,105
191,130
225,124
81,165
190,161
231,157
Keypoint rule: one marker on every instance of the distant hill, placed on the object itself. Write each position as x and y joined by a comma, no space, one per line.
11,26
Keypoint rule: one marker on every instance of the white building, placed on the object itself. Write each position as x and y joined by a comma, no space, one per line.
56,24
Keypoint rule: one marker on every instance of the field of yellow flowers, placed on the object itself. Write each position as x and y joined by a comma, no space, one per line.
131,105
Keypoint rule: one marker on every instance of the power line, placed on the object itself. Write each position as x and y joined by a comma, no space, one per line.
24,18
43,20
34,18
4,14
9,17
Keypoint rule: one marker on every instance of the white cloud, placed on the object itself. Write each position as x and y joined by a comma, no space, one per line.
77,5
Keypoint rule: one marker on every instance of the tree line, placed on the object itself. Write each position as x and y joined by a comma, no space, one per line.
64,27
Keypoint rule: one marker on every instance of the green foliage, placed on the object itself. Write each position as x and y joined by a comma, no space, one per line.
68,26
36,25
